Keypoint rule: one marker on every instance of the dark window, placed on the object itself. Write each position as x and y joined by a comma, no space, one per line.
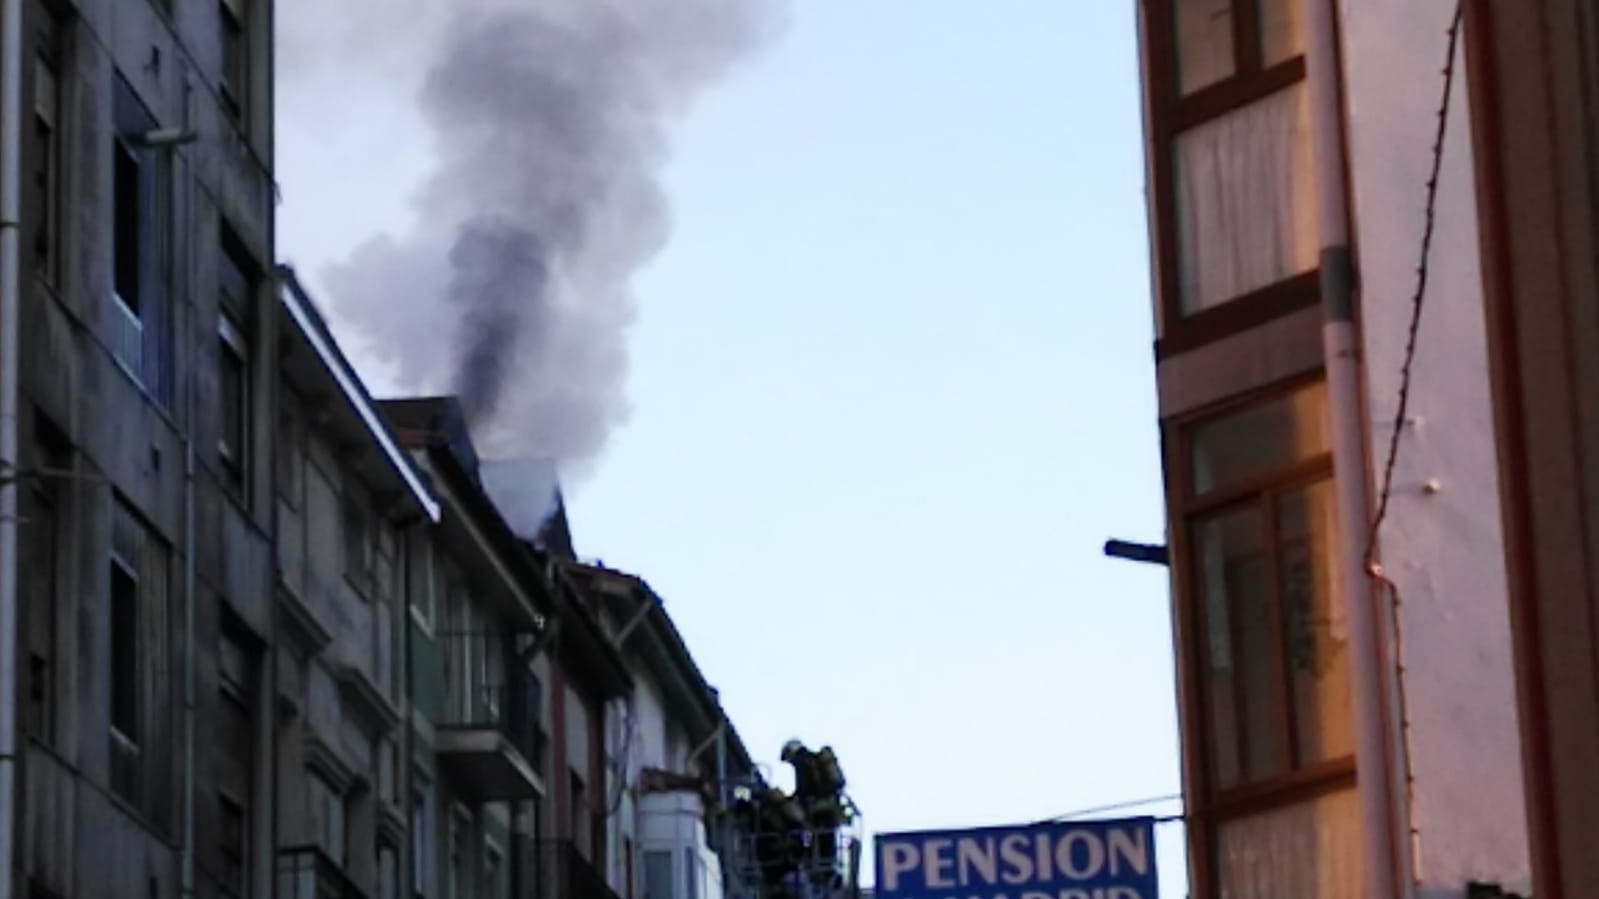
388,872
657,875
47,169
691,873
138,671
129,227
235,56
47,539
124,668
233,377
423,829
326,804
288,447
358,537
234,838
581,822
140,329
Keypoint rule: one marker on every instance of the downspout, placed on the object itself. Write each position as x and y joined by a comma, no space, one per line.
10,390
1340,342
191,415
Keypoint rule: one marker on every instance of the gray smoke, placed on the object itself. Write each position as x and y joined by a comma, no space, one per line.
549,120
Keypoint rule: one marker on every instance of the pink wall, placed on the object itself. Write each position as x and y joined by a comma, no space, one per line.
1442,549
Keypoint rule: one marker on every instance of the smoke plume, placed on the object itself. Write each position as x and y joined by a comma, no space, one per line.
549,121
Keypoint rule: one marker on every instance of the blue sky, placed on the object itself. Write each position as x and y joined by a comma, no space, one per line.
891,389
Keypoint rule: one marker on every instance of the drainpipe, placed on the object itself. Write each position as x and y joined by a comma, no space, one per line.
192,411
10,389
1341,349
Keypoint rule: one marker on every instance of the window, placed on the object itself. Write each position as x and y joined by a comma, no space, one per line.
691,873
46,541
657,875
1263,546
463,861
124,668
325,805
1234,188
47,166
289,451
128,236
233,377
1268,620
629,888
138,668
494,881
1208,51
423,835
233,874
234,770
235,56
388,872
581,822
140,325
234,396
358,550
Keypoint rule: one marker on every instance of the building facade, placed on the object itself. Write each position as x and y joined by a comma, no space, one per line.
1345,658
144,544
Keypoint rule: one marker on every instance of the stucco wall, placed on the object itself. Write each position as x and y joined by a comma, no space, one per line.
1443,549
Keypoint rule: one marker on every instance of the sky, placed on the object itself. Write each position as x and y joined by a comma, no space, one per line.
890,389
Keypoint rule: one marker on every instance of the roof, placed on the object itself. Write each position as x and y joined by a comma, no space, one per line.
357,402
434,427
671,657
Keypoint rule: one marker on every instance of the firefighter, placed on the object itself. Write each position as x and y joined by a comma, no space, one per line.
819,791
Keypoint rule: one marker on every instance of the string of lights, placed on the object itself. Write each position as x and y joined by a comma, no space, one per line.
1418,299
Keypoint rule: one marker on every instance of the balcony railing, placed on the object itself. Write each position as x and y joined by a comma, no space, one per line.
487,691
306,872
561,872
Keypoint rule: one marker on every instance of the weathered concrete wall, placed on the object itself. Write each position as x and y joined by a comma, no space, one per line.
1443,550
124,436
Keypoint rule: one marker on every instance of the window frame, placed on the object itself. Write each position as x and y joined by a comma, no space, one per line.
233,29
1170,115
228,804
233,450
1210,806
49,61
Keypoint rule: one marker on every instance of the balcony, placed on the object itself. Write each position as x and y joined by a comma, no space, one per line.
490,740
563,873
305,872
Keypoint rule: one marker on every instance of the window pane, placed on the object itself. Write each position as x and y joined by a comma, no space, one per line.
125,190
1204,42
1307,850
1317,643
1282,35
124,652
1245,201
1243,687
1261,439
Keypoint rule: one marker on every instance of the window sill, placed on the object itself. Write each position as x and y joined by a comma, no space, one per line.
1295,786
1194,330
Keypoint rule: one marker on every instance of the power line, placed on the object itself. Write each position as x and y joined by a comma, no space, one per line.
1118,807
1418,299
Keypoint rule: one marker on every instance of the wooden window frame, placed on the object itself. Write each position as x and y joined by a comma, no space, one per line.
1209,807
1170,115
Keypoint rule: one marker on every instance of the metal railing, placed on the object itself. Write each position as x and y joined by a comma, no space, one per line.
486,688
561,872
306,872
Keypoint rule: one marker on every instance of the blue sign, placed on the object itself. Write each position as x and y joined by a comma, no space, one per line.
1060,860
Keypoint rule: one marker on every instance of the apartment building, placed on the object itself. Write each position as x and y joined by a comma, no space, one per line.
1533,69
1346,675
680,757
351,515
143,547
479,632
